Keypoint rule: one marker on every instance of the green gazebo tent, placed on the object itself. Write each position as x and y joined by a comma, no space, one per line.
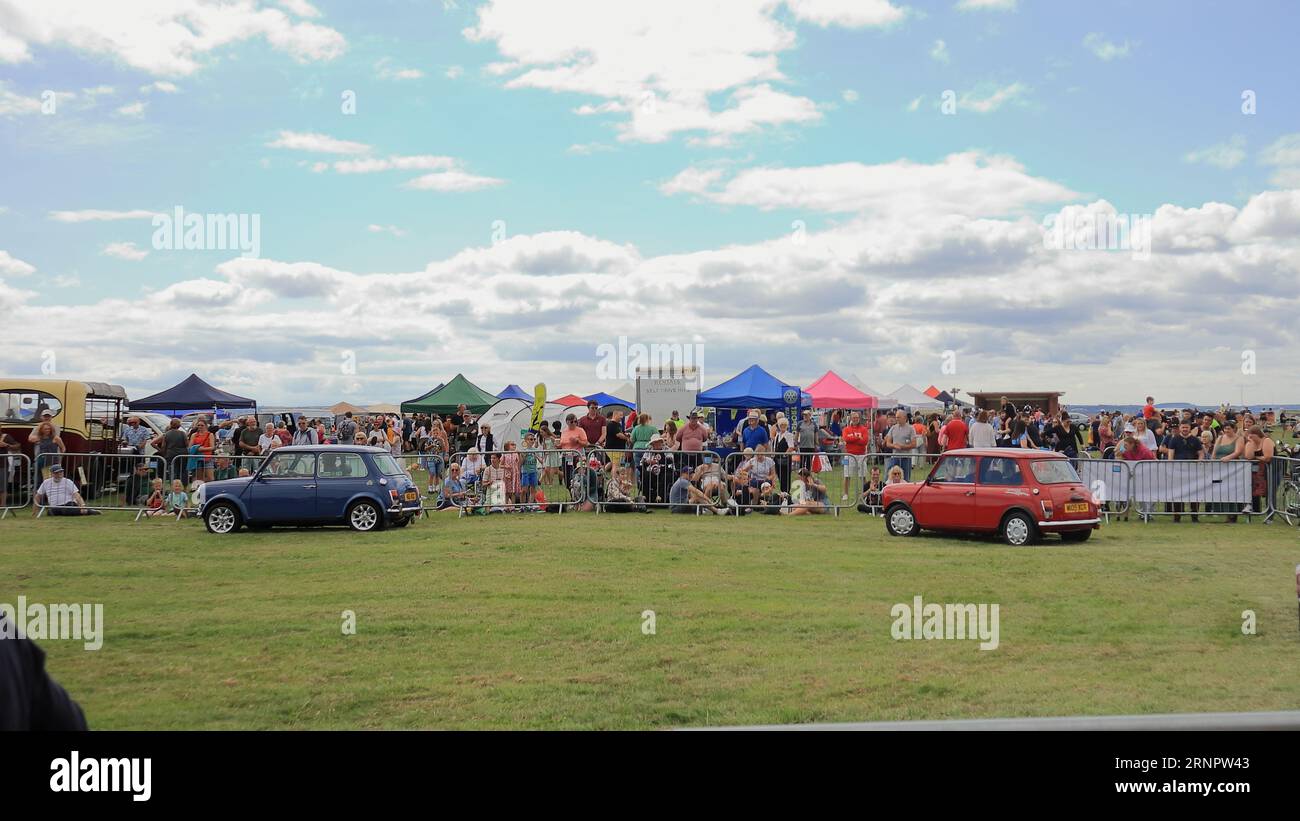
459,391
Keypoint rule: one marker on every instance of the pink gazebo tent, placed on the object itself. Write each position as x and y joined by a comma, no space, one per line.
830,391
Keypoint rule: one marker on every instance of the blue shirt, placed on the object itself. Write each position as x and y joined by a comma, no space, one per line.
755,436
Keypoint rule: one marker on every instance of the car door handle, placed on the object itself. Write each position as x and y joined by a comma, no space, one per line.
970,493
310,487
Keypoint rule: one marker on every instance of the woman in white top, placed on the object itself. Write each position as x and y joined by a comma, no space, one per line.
268,440
981,432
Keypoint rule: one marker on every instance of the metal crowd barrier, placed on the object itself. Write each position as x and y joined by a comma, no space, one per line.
1110,482
1284,489
194,470
105,481
562,478
15,482
648,476
1191,487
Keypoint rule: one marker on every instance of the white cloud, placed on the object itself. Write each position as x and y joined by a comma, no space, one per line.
300,7
1283,154
160,38
1223,155
986,5
159,85
135,109
967,183
661,66
13,267
370,165
1105,49
386,229
124,250
385,70
939,52
849,95
847,13
588,148
98,215
452,182
453,72
318,143
984,102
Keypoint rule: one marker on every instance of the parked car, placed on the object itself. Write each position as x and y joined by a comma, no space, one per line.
359,486
1018,494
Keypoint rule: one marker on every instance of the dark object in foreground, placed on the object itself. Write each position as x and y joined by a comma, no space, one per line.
29,698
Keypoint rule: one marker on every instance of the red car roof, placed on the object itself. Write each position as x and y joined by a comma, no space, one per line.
1023,453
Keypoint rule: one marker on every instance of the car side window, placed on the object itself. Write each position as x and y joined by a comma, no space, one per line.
1000,471
958,469
342,466
290,466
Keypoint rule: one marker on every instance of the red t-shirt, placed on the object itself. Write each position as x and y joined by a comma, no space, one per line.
1149,412
856,439
955,430
592,427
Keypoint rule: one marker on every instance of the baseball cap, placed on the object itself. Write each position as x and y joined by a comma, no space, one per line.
56,468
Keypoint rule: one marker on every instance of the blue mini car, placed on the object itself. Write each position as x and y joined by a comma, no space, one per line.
359,486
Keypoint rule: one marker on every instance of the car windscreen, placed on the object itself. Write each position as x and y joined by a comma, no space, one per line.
388,465
1054,471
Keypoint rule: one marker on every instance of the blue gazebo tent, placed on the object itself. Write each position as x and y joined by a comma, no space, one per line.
192,394
753,388
605,399
514,392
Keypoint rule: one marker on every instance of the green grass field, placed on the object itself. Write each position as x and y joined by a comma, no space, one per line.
534,621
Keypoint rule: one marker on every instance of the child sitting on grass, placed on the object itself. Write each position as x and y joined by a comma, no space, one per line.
177,501
154,503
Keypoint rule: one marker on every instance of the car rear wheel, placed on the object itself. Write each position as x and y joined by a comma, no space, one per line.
222,518
899,521
365,516
1076,535
1018,530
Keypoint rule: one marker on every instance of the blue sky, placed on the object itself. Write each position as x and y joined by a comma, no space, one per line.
1137,107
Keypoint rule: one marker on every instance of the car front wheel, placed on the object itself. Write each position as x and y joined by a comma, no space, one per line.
900,521
365,517
1018,530
222,518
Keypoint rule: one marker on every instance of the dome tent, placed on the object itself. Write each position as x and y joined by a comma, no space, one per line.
459,391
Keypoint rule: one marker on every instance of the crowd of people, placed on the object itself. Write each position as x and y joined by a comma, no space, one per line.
623,461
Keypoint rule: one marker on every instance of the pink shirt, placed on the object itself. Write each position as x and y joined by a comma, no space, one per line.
691,436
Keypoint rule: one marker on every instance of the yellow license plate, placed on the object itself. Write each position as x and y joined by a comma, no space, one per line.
411,496
1076,507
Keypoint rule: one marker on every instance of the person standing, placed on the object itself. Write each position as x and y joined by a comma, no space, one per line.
857,437
1183,446
901,440
955,432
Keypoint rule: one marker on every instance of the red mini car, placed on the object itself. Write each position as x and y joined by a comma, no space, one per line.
1018,494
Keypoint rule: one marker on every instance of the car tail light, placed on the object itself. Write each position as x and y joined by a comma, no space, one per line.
1048,508
394,494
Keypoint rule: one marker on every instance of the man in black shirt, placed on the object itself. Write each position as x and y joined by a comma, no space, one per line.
1182,445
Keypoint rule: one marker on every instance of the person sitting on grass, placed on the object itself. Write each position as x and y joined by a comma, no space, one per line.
587,487
814,495
895,476
224,470
177,501
154,503
471,466
494,482
61,496
684,497
869,501
138,485
770,500
617,494
709,478
453,489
